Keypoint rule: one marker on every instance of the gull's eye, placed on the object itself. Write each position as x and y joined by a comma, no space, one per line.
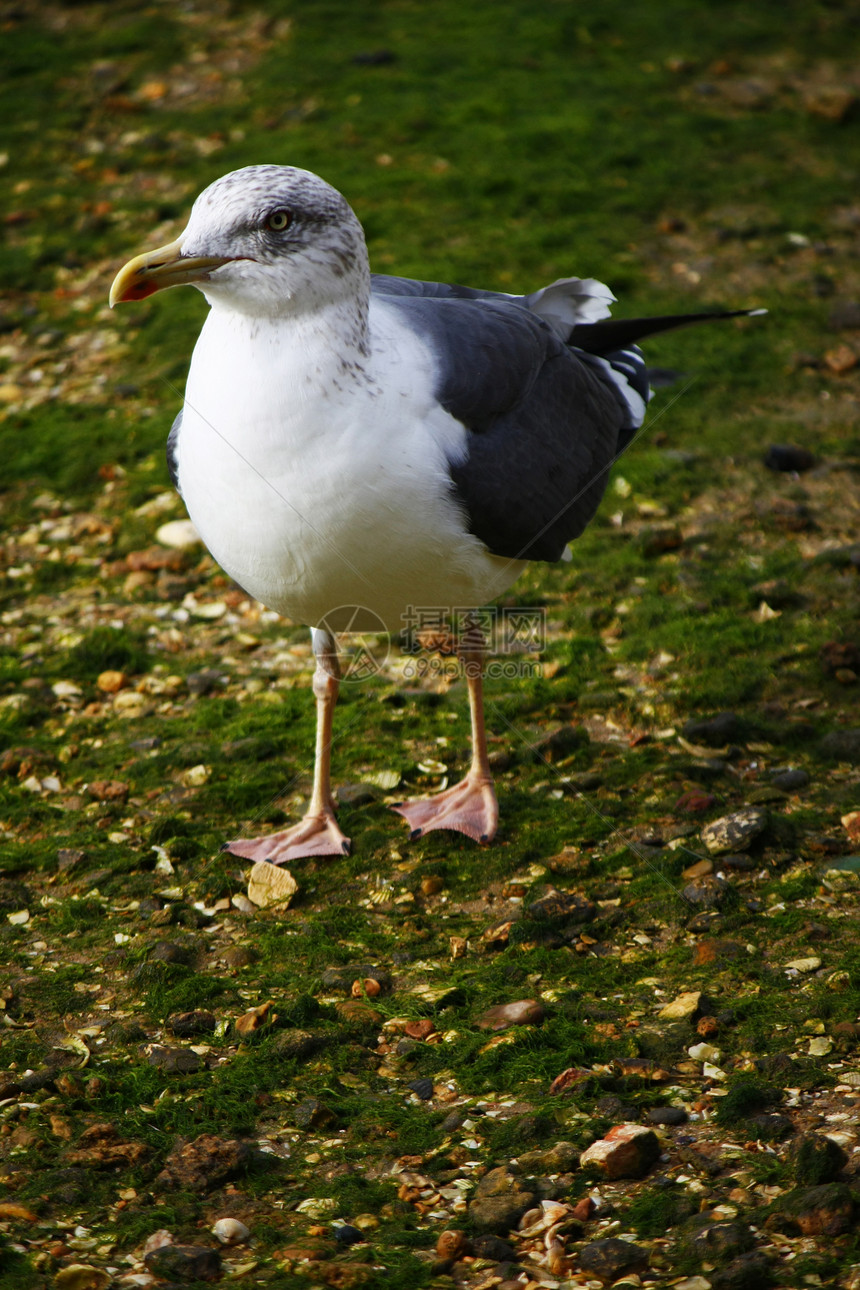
279,220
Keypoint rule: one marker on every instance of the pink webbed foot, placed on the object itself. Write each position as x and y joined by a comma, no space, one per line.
316,835
469,807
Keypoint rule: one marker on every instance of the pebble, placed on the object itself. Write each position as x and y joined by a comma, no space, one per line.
204,1164
711,892
735,832
422,1088
609,1259
346,1234
271,884
683,1006
790,781
667,1115
563,906
714,731
499,1201
173,1060
842,745
627,1151
184,1262
827,1210
525,1012
80,1276
197,1022
788,457
180,535
313,1114
453,1245
817,1159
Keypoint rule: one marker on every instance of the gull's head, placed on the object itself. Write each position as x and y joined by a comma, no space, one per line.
265,241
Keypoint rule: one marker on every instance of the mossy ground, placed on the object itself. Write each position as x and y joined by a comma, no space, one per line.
691,156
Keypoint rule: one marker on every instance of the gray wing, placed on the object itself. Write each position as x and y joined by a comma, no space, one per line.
172,451
545,424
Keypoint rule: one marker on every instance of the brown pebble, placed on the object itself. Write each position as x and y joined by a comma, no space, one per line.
453,1245
707,1027
525,1012
431,885
111,682
584,1210
419,1029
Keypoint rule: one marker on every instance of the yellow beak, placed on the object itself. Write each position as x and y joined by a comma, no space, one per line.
165,267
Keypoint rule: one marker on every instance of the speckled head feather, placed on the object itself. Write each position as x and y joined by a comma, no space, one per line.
319,258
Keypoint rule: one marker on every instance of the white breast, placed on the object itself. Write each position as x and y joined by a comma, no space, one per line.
317,483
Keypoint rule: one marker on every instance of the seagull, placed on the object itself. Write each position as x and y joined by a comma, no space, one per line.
352,445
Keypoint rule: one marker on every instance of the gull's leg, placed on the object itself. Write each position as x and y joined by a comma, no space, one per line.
469,807
318,833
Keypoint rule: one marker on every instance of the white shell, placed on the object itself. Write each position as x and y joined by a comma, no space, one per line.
230,1231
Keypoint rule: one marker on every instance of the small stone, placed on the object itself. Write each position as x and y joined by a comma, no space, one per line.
788,457
790,781
827,1210
271,884
422,1088
499,1201
110,682
710,892
611,1258
627,1151
701,869
584,1210
453,1245
341,978
80,1276
842,745
313,1114
419,1029
171,952
184,1263
561,1158
173,1061
563,907
817,1159
715,731
204,1164
844,315
107,790
810,964
667,1115
180,535
711,1240
346,1234
525,1012
717,951
842,359
230,1231
493,1247
735,832
432,885
749,1271
770,1127
187,1024
570,1079
683,1006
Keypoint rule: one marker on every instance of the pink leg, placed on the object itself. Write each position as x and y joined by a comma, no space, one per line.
469,807
318,833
